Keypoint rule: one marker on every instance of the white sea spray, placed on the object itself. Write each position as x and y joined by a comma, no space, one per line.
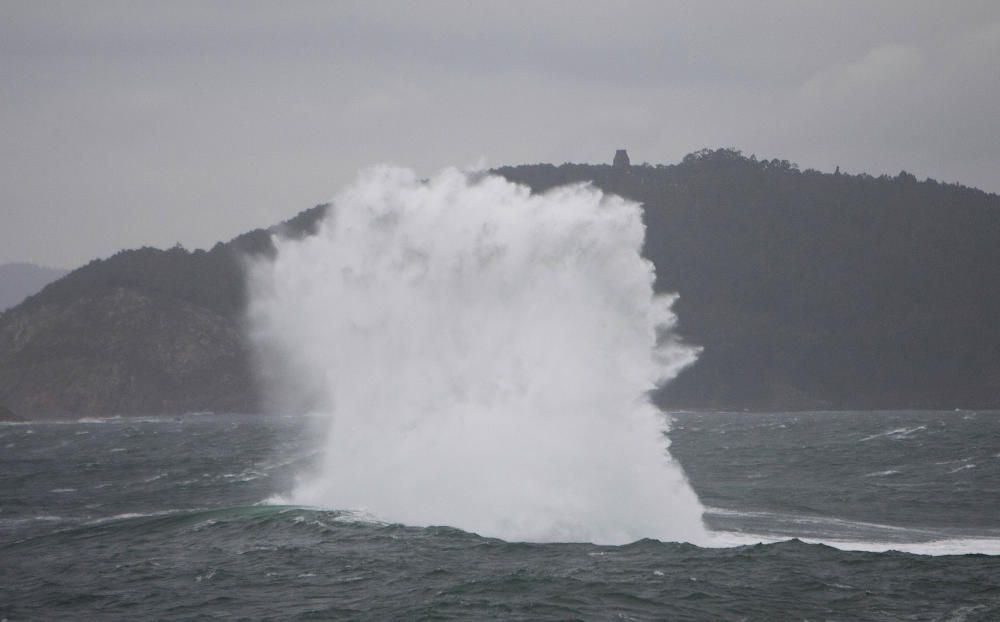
481,357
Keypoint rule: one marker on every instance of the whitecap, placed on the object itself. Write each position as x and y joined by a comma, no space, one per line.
954,461
882,473
942,546
896,434
130,515
828,522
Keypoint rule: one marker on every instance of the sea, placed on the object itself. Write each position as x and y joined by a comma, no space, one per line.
813,516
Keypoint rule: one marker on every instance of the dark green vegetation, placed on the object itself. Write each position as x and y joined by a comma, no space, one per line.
806,289
144,331
812,290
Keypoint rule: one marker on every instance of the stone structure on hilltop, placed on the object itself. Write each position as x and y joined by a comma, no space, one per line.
621,159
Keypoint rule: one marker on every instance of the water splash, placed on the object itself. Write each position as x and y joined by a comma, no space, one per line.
481,357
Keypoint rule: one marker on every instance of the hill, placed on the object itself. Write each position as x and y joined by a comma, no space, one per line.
806,289
20,280
814,290
145,331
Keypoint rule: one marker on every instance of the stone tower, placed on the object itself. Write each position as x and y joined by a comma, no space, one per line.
621,159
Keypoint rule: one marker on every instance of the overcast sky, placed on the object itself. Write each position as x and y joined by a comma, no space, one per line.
126,124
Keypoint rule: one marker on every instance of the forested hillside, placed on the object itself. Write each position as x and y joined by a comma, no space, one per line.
145,331
806,290
813,290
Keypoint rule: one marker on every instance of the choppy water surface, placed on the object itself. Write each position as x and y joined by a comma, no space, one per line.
128,519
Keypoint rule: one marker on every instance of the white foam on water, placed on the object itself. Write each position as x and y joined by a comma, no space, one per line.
878,538
825,523
896,434
481,357
886,473
115,419
943,546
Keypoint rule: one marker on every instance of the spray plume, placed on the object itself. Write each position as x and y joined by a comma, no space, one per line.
481,357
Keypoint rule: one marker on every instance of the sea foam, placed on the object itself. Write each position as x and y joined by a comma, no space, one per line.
481,357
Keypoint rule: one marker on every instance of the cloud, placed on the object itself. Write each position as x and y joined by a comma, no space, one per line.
131,124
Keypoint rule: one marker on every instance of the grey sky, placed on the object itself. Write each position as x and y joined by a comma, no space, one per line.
126,124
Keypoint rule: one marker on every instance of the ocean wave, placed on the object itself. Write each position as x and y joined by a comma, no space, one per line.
867,536
886,473
940,547
267,516
962,468
822,521
895,434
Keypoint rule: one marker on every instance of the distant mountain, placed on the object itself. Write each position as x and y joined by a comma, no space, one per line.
807,290
20,280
